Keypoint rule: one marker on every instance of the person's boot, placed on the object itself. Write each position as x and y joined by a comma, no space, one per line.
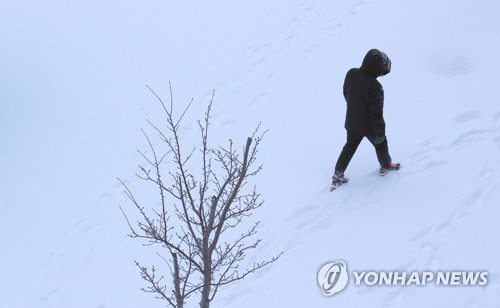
338,179
392,167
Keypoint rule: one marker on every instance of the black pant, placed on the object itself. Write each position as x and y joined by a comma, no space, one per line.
352,144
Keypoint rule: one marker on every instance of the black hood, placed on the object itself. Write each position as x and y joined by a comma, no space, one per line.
376,63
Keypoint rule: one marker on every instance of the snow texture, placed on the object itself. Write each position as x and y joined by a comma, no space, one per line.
73,100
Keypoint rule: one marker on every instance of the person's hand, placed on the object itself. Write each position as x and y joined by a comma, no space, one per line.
379,139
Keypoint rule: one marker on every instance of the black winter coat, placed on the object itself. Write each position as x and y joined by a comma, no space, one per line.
365,96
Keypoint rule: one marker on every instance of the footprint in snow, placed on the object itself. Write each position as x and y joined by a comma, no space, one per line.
228,122
467,116
356,7
450,65
472,135
497,140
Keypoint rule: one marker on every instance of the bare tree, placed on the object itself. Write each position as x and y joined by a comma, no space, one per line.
197,219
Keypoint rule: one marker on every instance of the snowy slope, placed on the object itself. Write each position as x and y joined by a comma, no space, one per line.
73,101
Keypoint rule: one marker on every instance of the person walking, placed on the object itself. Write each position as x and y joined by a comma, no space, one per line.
364,117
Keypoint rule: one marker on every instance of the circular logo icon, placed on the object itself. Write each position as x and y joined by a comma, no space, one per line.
333,278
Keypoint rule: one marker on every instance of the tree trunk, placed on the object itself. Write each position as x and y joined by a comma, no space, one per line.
205,293
207,272
177,283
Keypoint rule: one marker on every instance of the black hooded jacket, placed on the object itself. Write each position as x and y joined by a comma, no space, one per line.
365,96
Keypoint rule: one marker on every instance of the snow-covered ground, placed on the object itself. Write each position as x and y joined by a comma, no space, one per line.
73,100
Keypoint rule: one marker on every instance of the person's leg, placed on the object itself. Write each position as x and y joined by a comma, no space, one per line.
382,150
347,153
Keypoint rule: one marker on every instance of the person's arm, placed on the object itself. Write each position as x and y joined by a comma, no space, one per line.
344,88
376,110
